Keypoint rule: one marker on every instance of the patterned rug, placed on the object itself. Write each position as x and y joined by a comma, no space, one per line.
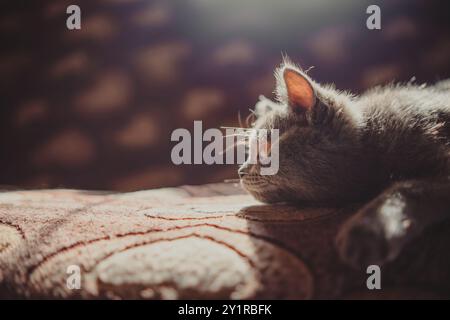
202,242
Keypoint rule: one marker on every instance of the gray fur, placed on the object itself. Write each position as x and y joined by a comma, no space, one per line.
351,148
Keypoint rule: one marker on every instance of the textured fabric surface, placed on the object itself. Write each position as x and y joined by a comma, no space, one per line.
211,241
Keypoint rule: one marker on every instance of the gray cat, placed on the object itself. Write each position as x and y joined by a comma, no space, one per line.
389,147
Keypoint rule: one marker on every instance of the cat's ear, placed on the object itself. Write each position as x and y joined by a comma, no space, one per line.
300,93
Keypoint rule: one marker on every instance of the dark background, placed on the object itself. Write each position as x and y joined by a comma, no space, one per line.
95,108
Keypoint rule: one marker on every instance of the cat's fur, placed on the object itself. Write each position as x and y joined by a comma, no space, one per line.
389,147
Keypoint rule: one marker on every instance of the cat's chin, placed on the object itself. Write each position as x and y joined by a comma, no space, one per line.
261,195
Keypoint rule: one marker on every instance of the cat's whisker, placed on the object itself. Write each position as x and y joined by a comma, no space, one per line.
235,144
242,142
240,119
236,135
227,149
237,128
249,118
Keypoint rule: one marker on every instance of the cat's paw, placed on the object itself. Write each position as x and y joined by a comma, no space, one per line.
360,245
376,234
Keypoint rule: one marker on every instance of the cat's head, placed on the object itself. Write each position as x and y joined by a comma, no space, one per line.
318,142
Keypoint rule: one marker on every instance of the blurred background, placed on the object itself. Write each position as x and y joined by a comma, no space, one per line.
94,108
